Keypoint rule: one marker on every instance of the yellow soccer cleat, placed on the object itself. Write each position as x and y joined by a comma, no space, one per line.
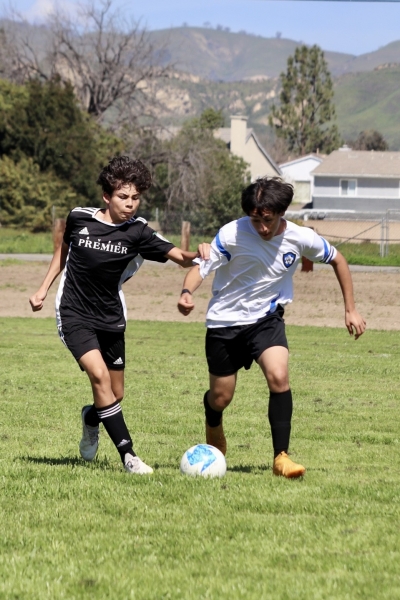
215,437
285,467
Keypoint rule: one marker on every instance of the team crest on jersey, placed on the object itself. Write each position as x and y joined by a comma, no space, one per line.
288,259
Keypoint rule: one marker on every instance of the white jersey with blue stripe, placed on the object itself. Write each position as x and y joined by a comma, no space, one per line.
252,275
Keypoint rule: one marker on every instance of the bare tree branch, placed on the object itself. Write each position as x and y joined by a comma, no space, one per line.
110,62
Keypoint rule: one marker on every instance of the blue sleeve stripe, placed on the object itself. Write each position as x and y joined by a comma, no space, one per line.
221,248
328,252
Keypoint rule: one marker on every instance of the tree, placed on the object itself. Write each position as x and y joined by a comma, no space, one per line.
44,122
110,62
201,179
306,112
29,196
370,139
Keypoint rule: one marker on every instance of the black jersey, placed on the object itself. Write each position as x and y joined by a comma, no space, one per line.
101,257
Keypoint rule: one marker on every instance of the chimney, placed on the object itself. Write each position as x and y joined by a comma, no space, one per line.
238,134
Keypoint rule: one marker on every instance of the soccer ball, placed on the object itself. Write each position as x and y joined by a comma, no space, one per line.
204,460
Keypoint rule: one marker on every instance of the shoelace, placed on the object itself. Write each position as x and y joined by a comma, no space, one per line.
93,434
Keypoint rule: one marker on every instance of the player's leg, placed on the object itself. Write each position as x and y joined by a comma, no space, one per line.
216,399
225,356
109,410
274,363
90,419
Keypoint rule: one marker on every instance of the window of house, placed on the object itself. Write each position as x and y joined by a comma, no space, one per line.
348,187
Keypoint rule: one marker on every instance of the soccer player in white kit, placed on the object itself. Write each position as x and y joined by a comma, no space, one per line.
254,259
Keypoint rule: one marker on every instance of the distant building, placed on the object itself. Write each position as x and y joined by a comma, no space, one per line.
244,143
367,181
240,141
298,173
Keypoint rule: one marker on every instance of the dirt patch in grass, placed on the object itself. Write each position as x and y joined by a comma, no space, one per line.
152,295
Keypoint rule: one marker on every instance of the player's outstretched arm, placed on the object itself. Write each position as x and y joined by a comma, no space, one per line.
355,323
56,266
185,258
192,281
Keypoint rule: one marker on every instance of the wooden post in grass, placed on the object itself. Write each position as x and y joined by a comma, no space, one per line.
58,232
185,235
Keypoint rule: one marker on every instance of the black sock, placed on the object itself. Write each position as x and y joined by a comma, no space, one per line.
91,417
213,417
280,414
114,423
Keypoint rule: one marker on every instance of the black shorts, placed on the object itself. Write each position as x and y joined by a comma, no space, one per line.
80,338
228,349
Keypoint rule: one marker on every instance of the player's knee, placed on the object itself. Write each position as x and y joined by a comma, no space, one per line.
278,380
99,375
219,400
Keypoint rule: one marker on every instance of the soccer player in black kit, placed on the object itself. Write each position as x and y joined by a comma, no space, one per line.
101,249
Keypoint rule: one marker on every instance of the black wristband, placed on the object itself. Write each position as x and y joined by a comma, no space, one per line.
186,291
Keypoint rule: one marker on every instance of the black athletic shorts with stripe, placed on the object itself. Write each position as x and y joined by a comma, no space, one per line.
228,349
80,338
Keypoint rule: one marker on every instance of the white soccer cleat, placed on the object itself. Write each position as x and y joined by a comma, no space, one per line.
134,465
90,438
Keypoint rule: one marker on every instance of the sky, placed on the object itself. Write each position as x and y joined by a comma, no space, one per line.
353,27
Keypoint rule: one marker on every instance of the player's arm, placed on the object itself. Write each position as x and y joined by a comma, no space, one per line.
192,281
185,258
354,321
56,266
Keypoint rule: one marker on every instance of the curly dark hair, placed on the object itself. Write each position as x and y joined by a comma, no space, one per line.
267,193
123,170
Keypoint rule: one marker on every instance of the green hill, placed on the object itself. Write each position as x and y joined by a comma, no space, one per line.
224,56
370,100
238,73
363,101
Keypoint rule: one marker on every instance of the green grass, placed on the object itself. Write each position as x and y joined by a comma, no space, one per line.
368,254
74,530
13,241
17,242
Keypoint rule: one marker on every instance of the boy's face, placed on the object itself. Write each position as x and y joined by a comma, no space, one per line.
267,224
123,203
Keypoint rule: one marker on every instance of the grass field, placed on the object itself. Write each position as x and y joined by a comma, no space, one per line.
19,242
74,530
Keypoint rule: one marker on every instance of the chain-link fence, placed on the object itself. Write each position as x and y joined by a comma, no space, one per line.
337,226
341,227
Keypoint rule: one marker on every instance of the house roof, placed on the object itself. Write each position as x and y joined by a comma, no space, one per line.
301,159
224,134
357,163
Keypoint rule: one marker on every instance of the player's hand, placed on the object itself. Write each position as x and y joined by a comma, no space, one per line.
185,304
355,323
36,301
204,250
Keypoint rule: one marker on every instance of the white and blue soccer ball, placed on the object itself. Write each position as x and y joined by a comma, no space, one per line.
203,460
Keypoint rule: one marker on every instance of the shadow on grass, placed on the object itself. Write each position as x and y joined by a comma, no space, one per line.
248,468
230,469
64,461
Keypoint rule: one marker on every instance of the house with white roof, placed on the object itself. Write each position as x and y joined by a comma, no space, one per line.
298,173
360,180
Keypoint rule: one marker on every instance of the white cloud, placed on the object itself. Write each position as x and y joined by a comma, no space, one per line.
41,9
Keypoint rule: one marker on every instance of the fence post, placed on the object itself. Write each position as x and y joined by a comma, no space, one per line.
185,235
382,244
58,232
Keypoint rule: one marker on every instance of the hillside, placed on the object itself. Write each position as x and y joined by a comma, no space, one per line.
239,73
225,56
370,100
362,100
